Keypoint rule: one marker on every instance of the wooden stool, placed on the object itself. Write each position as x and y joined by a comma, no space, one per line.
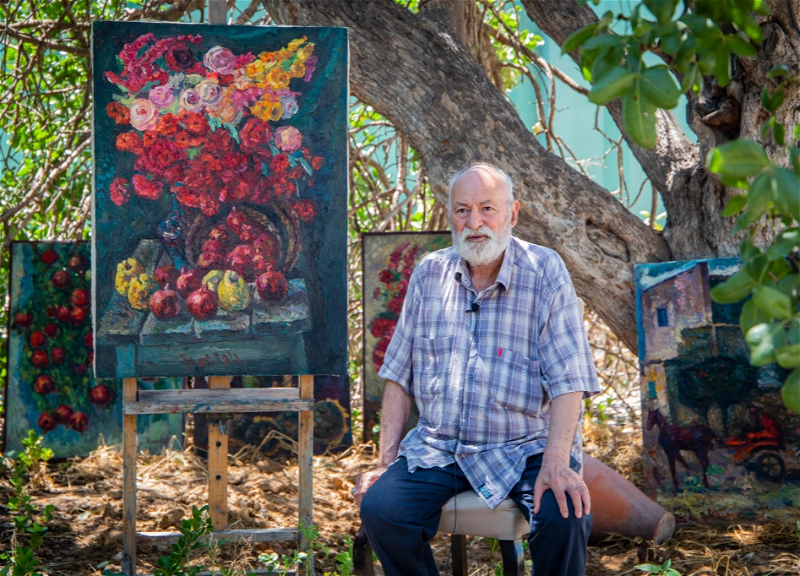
462,515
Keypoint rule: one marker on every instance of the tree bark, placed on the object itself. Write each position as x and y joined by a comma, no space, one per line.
432,89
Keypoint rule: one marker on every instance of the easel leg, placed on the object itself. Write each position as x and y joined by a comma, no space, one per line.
305,463
129,480
218,463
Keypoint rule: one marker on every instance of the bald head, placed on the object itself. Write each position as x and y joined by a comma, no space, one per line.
485,175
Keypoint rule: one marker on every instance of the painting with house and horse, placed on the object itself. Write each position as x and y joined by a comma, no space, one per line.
718,442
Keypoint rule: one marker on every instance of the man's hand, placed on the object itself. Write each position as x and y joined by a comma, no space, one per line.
364,481
563,481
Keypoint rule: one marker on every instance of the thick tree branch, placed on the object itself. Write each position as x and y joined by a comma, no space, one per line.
435,93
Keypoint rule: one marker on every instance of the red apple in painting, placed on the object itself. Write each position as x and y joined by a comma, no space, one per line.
164,303
268,245
78,315
57,355
47,422
78,422
203,303
215,246
63,314
51,330
62,414
23,319
49,257
88,340
189,281
77,263
62,279
272,286
80,297
101,395
80,368
44,384
39,359
210,261
166,274
38,339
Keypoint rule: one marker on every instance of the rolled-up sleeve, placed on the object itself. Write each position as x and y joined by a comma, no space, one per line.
398,363
565,357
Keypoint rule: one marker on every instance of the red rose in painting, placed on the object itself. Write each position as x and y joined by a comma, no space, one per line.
185,139
78,315
130,142
118,113
209,205
179,57
167,125
23,319
44,384
305,209
49,257
279,163
62,313
80,368
379,353
62,279
77,263
38,339
395,305
78,422
120,191
88,340
386,276
219,143
62,414
195,123
80,297
382,327
47,422
101,395
149,138
57,355
402,288
150,189
284,188
255,134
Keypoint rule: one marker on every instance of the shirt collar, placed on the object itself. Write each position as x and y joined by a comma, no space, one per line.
503,277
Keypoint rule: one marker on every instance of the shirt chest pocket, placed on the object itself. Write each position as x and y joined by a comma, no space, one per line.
516,382
431,356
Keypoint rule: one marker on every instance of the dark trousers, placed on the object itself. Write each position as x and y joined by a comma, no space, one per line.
400,514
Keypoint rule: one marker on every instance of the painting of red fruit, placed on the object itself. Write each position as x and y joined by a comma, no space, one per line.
221,171
50,387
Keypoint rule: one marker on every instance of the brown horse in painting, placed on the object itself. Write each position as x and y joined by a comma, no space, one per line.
673,439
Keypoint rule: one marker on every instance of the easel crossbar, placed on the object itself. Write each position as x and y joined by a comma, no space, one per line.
220,401
258,535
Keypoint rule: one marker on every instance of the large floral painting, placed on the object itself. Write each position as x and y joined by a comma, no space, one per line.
718,442
220,199
388,261
50,387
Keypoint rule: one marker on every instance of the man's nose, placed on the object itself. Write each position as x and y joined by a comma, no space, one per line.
475,220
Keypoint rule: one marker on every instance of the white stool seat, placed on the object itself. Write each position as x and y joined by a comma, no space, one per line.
467,514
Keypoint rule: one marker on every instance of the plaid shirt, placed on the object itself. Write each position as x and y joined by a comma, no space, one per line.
482,380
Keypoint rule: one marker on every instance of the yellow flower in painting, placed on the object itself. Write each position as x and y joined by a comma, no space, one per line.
305,52
265,57
254,69
267,110
293,45
277,78
298,70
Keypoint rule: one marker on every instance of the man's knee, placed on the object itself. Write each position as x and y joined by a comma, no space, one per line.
372,509
550,519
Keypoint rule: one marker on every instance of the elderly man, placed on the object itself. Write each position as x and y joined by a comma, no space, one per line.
491,347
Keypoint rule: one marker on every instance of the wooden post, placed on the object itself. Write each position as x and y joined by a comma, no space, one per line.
129,481
218,462
305,462
217,11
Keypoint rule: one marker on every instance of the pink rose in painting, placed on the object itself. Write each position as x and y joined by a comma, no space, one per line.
162,96
288,138
210,92
290,107
219,60
120,191
144,115
190,100
146,188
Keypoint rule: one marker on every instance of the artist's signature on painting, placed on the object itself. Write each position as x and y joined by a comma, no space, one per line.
211,359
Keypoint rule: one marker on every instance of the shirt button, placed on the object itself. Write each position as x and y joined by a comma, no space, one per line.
472,375
476,338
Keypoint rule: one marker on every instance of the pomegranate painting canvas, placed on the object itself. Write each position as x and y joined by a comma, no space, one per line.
388,259
219,229
719,445
50,387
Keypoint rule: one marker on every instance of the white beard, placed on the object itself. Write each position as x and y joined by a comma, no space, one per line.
483,252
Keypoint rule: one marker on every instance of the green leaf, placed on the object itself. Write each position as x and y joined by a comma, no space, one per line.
751,316
577,38
787,192
734,205
759,198
794,154
651,568
763,340
788,356
778,71
722,65
738,159
773,302
661,9
783,244
739,45
607,60
639,116
794,330
779,133
612,85
734,288
658,85
790,391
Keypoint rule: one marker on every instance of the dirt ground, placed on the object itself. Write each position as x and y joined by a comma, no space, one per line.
87,493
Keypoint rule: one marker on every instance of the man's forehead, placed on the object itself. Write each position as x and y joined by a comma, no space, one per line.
478,180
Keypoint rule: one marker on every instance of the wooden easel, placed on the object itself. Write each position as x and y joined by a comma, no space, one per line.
218,399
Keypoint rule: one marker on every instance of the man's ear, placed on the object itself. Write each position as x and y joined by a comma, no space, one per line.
514,212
